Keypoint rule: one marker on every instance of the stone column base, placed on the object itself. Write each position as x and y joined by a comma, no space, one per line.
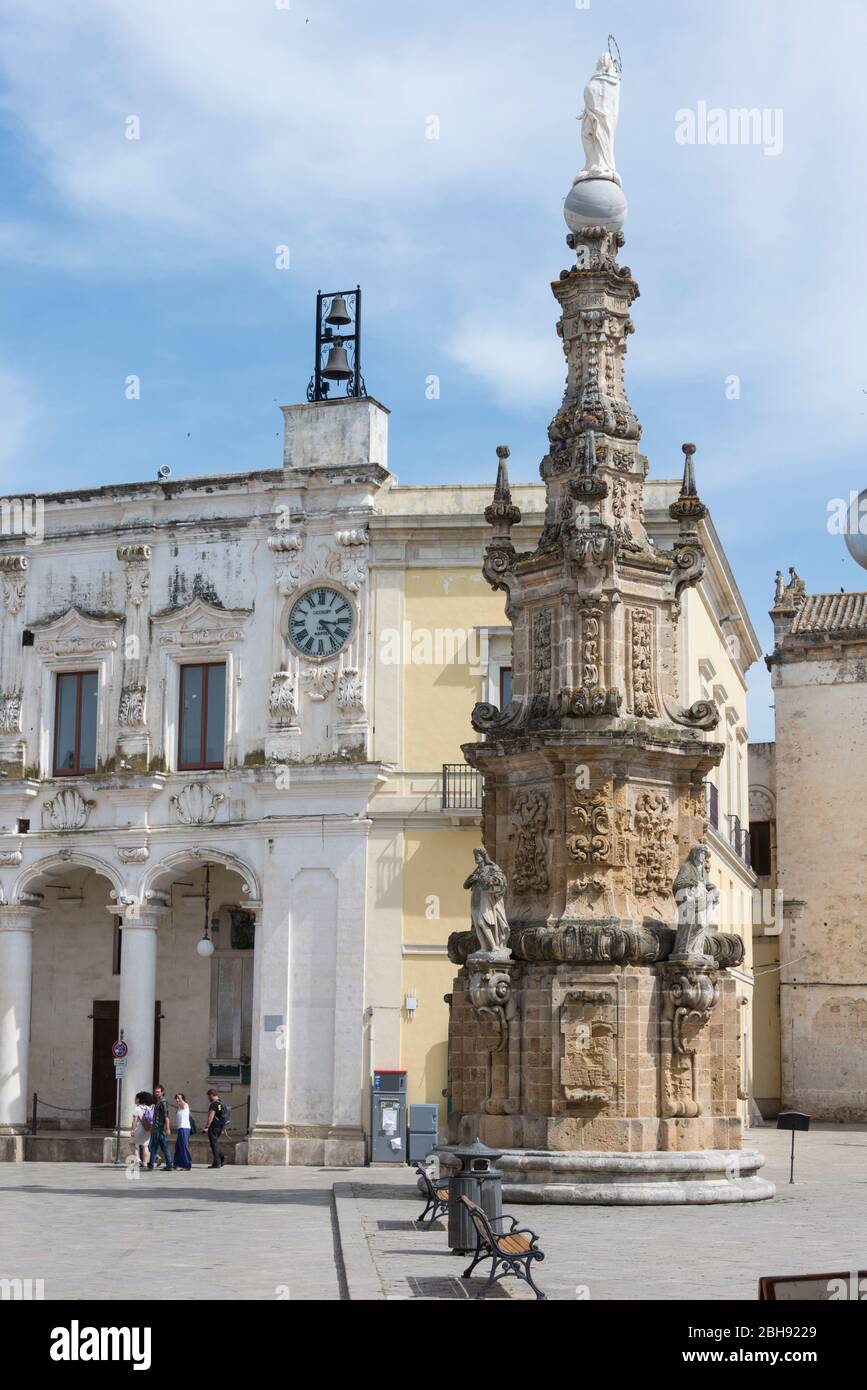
316,1146
656,1178
11,1145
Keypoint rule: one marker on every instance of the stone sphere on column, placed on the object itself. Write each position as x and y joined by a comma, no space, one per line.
595,203
855,534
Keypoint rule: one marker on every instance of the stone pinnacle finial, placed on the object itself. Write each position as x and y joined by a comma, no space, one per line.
502,492
688,488
502,512
688,506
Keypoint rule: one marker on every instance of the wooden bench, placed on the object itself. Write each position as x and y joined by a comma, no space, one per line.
437,1197
511,1252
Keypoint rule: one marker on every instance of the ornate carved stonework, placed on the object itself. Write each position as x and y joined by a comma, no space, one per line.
530,816
283,699
542,652
10,858
344,560
761,805
690,996
136,558
490,995
136,854
319,681
13,569
74,646
10,712
197,804
591,661
68,810
592,840
642,669
132,706
655,844
350,695
202,637
588,1057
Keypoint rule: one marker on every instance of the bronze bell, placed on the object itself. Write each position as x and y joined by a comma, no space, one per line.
337,367
338,313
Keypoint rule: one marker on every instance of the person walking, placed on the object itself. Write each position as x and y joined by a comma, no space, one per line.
183,1157
161,1130
140,1126
218,1118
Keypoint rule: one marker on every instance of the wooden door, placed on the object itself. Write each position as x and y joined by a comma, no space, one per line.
103,1087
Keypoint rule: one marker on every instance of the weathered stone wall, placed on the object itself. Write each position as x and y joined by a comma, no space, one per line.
821,725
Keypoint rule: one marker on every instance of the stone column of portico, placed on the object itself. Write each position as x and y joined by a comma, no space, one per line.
269,1106
16,971
138,992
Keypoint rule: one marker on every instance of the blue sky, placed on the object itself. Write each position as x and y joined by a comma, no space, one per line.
264,125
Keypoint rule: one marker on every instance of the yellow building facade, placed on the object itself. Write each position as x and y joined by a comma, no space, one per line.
454,650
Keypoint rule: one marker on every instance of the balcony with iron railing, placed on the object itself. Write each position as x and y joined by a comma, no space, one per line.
462,788
739,839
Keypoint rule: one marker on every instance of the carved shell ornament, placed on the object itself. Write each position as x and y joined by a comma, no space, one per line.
197,804
68,810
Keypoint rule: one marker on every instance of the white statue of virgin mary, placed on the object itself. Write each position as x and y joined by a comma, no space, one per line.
599,121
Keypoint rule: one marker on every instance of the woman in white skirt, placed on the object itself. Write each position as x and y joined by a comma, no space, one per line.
183,1157
140,1135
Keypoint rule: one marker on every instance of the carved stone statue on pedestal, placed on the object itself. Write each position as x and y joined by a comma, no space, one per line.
697,900
487,883
599,121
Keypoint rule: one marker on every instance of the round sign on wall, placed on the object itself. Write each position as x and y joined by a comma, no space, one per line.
119,1049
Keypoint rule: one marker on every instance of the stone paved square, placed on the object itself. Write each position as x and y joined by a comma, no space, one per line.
272,1233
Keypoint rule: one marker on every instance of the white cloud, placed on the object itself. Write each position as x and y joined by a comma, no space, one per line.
520,368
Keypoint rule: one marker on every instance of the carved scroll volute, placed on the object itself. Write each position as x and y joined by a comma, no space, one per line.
690,995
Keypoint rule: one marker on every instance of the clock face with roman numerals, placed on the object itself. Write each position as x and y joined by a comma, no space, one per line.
320,622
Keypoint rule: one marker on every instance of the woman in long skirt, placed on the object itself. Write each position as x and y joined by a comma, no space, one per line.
183,1157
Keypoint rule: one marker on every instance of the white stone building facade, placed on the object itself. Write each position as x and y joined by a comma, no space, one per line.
181,756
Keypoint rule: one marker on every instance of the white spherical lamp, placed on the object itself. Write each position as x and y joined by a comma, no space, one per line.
205,947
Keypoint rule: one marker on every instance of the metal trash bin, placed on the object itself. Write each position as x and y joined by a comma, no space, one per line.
482,1182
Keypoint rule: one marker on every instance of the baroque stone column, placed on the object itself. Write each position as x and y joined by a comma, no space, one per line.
16,972
138,992
601,1071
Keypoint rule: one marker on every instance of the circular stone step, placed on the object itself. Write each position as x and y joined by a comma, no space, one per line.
657,1178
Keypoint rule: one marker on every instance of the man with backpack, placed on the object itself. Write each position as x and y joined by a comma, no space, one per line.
161,1128
218,1121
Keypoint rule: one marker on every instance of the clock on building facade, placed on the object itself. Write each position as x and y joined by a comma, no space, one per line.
320,622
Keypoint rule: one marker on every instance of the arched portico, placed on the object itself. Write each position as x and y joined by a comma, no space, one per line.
161,875
58,953
206,1001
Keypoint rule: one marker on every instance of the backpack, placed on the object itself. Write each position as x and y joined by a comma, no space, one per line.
223,1115
193,1126
147,1120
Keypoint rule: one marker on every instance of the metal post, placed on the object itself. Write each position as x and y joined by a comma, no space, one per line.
356,385
792,1160
248,1114
118,1081
317,368
33,1114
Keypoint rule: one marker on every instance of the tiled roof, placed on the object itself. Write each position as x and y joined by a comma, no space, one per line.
832,613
